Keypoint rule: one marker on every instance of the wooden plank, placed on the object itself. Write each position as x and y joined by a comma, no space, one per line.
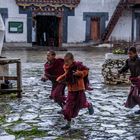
95,29
4,91
8,78
19,81
4,61
133,1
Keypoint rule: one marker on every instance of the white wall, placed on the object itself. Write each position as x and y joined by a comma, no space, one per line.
122,30
77,26
13,15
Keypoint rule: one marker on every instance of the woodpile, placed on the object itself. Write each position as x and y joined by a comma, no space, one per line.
110,72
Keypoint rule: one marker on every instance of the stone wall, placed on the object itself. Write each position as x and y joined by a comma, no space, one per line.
110,69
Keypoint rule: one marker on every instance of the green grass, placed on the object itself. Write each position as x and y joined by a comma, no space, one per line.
2,119
27,133
60,138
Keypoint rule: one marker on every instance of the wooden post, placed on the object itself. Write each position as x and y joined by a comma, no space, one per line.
19,82
60,32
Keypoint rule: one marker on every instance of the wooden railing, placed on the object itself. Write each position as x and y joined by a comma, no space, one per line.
114,19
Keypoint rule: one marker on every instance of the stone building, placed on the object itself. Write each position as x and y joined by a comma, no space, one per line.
54,22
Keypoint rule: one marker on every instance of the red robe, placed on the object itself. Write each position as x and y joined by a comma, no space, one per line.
134,95
52,71
76,99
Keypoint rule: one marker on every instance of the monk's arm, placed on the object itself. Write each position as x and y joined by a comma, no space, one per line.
82,73
124,68
61,78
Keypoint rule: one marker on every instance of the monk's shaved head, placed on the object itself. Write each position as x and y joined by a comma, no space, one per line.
52,52
69,59
51,55
69,55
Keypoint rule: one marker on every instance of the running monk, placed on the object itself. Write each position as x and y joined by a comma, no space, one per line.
74,76
53,69
133,64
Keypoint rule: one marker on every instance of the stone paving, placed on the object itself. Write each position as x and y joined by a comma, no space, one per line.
34,117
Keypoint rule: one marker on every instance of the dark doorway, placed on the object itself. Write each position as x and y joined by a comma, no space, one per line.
95,29
47,31
137,27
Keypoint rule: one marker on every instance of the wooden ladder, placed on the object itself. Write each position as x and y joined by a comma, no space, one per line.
114,19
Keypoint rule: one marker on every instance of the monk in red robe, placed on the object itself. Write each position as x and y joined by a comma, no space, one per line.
74,76
133,64
53,69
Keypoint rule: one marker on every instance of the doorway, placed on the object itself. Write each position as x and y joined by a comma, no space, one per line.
95,29
47,31
137,28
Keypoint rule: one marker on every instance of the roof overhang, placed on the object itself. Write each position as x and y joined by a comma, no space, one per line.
51,3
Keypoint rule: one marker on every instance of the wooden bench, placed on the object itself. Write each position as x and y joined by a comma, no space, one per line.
17,78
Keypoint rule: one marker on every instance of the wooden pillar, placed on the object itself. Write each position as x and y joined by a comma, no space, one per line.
60,32
19,82
132,28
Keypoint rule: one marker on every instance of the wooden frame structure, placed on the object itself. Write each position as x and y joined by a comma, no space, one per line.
17,78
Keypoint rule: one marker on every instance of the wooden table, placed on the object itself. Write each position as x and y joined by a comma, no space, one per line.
17,78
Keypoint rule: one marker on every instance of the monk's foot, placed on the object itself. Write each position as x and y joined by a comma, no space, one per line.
66,127
60,112
50,97
137,112
89,88
90,109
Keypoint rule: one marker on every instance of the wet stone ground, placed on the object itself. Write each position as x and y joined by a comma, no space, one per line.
34,117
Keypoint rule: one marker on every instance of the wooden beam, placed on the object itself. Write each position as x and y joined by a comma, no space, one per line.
4,61
19,81
133,1
8,78
8,91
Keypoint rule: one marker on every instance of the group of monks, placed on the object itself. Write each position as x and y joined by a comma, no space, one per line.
66,71
74,75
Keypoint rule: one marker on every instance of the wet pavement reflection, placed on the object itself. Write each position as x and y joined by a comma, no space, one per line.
35,112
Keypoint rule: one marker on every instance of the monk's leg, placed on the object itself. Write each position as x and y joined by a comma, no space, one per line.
86,104
57,94
70,111
53,88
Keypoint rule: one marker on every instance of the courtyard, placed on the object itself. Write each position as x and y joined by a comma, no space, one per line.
34,116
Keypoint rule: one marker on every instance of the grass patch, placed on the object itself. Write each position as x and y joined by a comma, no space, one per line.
10,96
27,133
72,134
60,138
2,119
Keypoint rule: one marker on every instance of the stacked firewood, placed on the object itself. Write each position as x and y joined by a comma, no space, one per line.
110,72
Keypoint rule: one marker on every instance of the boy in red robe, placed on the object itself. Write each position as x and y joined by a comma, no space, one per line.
53,69
133,64
74,76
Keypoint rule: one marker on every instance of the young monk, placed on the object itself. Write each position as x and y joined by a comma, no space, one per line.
74,76
53,69
133,64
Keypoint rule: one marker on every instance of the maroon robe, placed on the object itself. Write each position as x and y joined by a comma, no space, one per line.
52,71
134,95
76,100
